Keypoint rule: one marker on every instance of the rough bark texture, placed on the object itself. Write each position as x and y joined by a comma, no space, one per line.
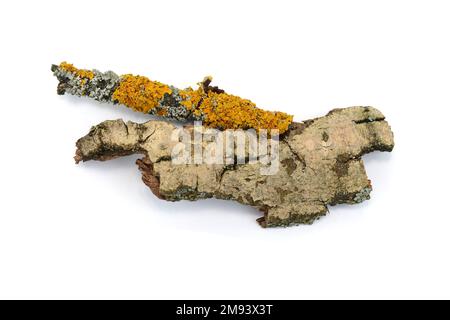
320,165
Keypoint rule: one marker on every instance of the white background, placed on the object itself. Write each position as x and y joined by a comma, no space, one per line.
94,230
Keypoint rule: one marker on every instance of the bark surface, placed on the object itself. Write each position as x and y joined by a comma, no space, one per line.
320,164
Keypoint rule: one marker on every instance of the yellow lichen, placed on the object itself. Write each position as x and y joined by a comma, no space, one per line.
191,98
217,108
226,111
85,74
140,93
162,112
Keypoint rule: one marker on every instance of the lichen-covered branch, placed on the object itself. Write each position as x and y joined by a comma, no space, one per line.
209,104
320,165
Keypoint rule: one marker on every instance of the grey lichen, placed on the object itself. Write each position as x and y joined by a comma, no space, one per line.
362,195
171,107
100,87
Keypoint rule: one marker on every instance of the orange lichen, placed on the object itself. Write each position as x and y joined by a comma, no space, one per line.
216,108
191,98
140,93
161,112
226,111
85,74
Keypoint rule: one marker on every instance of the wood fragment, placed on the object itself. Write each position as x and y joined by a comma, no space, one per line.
320,164
209,104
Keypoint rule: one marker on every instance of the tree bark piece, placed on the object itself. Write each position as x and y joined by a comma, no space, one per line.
320,165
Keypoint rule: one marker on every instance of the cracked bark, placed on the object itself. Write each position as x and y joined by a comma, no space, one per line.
320,165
